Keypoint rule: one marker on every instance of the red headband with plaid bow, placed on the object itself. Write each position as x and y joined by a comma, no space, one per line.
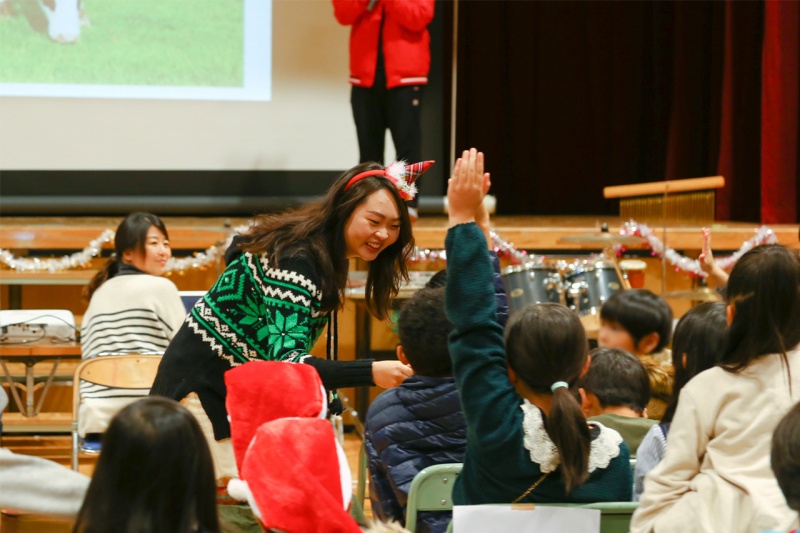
401,175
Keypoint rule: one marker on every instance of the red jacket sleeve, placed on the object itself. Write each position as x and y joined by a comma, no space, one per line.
414,15
347,12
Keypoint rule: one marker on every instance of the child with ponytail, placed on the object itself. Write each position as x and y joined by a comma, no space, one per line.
528,440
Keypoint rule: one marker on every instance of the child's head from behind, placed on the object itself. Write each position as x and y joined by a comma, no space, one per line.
423,329
615,379
697,345
154,473
635,320
785,456
763,296
546,348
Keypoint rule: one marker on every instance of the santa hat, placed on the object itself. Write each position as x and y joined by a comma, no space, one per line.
261,391
298,477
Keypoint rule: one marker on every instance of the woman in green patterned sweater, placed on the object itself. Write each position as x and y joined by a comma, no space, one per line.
527,439
285,281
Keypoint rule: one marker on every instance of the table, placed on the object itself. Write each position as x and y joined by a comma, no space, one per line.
30,354
15,281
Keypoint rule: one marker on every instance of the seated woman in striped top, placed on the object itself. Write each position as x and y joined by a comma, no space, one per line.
132,309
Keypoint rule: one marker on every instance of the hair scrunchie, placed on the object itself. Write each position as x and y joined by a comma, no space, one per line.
559,384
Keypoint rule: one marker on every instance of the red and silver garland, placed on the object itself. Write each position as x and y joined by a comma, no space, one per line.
504,249
764,235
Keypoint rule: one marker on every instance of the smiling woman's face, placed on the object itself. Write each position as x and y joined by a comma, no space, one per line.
373,226
156,253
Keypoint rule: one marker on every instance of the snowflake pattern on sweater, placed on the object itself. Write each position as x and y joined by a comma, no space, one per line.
278,321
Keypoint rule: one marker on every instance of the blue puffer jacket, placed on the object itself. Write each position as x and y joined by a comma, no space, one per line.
408,428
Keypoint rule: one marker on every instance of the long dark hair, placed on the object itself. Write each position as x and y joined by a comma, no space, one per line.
784,456
764,288
154,473
700,337
131,235
318,229
546,343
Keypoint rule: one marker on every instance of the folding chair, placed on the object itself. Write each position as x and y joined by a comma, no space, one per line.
615,517
431,490
126,371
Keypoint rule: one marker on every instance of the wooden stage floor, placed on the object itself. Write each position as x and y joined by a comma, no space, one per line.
526,232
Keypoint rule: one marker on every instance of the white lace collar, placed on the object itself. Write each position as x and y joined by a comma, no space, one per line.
544,453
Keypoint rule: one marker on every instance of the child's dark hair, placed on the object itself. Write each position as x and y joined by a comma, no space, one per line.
617,378
546,343
700,337
640,312
785,456
155,473
318,229
131,235
423,329
764,288
438,280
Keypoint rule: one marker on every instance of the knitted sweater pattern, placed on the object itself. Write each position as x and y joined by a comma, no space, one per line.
258,312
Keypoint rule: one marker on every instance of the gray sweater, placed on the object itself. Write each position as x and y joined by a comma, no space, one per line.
33,484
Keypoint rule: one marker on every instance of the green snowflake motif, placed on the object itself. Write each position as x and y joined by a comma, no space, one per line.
283,334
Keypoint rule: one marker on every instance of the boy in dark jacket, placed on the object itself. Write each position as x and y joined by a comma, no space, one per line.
419,423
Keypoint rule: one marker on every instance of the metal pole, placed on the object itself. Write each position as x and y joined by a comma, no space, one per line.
454,88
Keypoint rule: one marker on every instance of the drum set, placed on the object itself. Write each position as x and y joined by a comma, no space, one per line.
582,284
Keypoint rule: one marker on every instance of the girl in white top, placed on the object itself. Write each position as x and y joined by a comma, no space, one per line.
132,309
716,474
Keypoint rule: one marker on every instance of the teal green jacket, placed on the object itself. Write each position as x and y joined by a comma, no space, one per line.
498,467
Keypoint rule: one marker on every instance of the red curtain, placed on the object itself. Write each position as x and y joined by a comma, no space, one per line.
569,97
779,113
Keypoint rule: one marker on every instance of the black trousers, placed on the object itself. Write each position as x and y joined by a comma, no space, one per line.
399,109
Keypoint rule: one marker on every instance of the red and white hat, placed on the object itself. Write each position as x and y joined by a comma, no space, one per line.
292,469
295,470
261,391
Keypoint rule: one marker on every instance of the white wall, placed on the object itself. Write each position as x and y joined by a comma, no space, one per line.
307,125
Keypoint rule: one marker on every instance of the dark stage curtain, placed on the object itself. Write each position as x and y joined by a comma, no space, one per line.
568,97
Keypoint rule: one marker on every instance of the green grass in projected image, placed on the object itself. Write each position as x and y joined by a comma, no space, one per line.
128,42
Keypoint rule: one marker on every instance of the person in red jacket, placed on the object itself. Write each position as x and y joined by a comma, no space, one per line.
389,62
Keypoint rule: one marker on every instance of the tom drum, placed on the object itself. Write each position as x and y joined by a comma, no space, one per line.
532,283
589,285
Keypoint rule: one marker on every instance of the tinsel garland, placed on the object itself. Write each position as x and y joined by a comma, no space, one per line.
84,257
764,235
67,262
504,249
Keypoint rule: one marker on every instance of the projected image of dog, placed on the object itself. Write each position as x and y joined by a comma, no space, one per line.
63,18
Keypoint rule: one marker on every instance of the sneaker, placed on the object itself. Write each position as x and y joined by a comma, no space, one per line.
91,443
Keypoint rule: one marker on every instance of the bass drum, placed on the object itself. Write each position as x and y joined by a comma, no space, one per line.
532,283
588,286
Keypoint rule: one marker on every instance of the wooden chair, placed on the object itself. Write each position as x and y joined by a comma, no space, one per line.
125,371
431,490
21,522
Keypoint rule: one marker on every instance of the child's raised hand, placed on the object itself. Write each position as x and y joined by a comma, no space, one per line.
467,187
707,262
